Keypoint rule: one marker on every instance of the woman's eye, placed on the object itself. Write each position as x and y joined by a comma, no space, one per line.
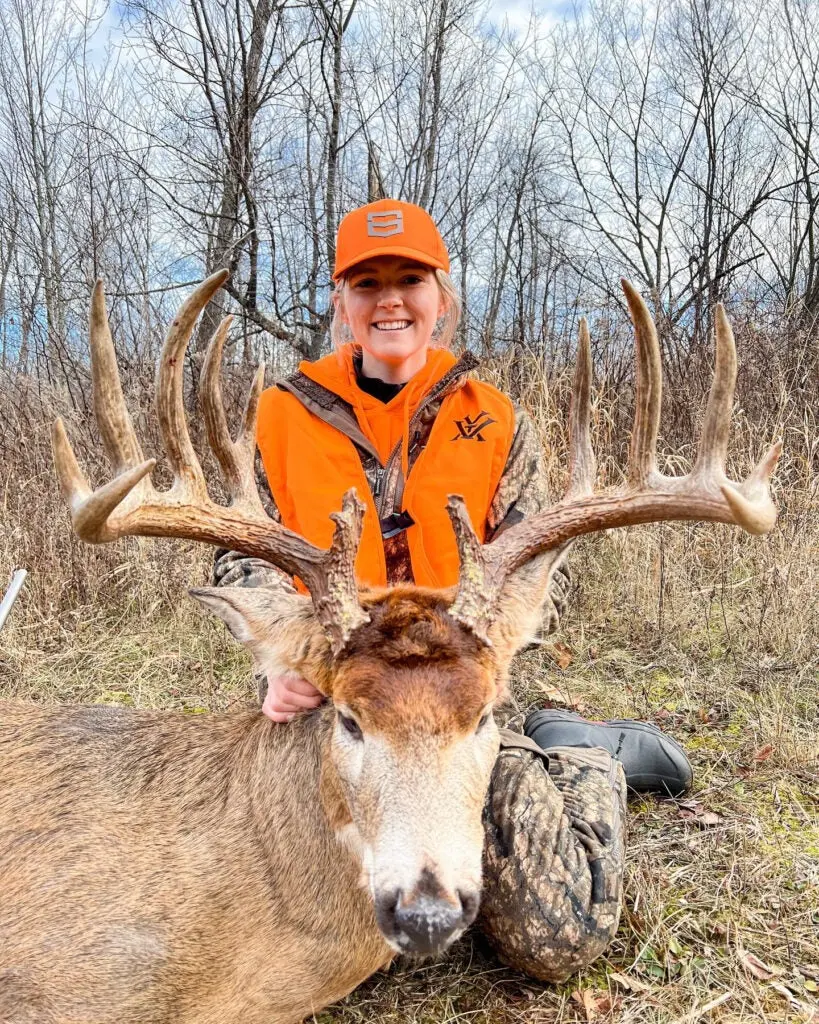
365,282
351,725
413,279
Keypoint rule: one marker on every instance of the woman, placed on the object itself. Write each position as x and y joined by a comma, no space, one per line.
392,412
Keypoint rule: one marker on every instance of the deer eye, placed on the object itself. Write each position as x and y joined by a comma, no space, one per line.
351,725
483,720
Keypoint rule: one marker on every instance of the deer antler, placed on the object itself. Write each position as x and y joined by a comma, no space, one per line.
705,493
129,505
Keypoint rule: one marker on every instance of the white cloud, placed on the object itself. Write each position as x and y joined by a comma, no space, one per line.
519,15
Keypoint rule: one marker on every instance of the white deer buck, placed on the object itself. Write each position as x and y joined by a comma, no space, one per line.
157,868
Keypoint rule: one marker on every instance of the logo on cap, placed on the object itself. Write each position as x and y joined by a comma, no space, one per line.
385,223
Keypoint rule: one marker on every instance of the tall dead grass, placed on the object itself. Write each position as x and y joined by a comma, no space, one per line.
685,585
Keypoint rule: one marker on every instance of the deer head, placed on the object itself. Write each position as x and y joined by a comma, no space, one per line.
409,754
412,674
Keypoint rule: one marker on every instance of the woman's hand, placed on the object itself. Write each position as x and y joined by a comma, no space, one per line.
288,695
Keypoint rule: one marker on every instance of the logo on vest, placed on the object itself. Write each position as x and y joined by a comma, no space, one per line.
385,223
470,427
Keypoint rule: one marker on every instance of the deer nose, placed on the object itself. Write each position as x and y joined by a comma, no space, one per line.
425,924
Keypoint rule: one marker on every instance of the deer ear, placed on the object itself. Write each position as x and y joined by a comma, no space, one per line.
239,609
520,605
280,629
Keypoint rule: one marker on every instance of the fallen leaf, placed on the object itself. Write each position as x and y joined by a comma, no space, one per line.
693,810
595,1003
580,998
629,983
764,753
709,818
755,966
558,696
562,654
674,947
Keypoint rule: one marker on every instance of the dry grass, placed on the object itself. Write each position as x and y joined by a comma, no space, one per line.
708,632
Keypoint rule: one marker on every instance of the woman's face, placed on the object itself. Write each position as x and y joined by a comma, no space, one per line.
390,304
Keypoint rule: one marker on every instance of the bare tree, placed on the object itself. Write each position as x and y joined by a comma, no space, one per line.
231,59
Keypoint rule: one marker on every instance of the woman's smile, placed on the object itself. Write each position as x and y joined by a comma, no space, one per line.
392,325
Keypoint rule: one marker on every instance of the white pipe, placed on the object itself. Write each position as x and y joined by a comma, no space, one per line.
17,581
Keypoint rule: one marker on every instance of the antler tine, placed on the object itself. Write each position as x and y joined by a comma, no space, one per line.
332,583
484,568
90,518
247,434
73,483
113,419
235,458
90,510
649,391
713,447
582,461
473,601
170,405
751,502
245,444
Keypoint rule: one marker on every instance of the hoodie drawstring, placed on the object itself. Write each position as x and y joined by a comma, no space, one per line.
405,440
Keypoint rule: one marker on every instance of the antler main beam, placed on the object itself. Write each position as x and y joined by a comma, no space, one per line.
129,505
705,493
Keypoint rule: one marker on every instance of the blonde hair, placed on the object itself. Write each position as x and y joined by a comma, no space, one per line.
445,328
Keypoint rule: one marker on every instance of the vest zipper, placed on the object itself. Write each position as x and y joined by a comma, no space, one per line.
382,474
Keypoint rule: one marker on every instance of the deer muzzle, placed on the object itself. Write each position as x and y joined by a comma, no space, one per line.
425,921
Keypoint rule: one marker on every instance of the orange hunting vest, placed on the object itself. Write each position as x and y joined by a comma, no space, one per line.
310,458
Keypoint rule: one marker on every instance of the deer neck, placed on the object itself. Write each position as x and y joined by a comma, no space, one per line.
298,804
307,842
292,781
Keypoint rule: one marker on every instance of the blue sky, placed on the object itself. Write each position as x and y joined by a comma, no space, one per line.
517,13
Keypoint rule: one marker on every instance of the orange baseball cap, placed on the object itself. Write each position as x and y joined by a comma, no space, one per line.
389,228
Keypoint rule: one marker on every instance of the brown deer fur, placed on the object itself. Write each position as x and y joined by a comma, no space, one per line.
159,867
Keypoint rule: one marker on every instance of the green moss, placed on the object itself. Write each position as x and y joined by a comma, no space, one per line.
704,741
115,697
